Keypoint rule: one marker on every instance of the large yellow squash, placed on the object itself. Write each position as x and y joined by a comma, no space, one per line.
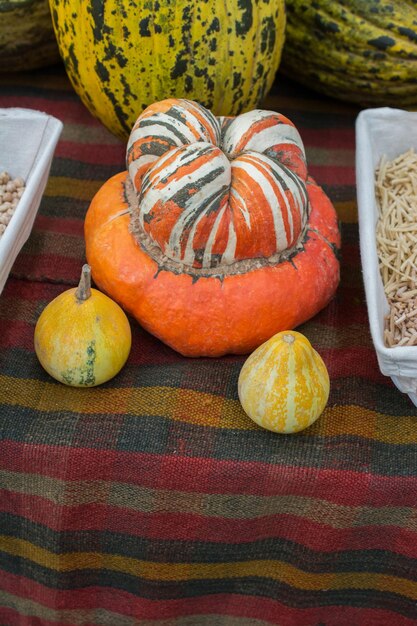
123,56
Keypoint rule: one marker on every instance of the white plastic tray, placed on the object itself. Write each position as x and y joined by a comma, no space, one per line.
27,143
382,131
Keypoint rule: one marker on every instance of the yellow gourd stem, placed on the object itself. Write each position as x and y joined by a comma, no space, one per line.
84,286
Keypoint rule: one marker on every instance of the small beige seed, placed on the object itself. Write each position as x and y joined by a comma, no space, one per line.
11,190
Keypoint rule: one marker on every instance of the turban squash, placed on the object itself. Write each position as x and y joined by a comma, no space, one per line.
122,56
215,238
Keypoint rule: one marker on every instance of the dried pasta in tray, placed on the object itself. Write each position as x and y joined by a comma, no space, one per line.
396,236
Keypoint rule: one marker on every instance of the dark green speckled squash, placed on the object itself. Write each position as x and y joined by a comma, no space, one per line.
361,51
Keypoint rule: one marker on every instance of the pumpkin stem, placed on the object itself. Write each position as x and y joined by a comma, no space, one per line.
289,338
84,287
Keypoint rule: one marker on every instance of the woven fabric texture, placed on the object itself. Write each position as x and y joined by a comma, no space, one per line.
153,500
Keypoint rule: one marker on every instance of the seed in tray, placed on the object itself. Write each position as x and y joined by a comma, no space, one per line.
11,190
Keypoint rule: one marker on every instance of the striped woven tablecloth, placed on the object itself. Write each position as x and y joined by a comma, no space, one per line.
153,500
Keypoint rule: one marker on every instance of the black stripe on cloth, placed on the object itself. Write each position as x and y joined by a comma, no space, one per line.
256,586
159,434
70,168
176,372
158,550
63,207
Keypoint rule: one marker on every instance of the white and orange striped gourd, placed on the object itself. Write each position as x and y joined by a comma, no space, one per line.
284,384
213,191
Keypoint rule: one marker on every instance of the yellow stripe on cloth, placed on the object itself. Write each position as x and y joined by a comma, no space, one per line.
72,187
195,407
156,571
183,405
347,212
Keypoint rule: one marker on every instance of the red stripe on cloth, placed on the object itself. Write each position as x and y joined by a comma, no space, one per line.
10,617
332,175
43,266
106,154
66,110
350,257
341,363
316,536
354,314
60,225
17,334
30,291
184,473
354,363
234,605
332,139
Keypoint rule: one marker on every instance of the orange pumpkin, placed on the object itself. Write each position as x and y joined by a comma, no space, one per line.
215,238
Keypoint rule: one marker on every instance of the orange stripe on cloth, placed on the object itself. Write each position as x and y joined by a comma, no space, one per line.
157,571
196,407
347,212
72,187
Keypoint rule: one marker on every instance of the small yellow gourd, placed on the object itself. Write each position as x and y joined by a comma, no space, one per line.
284,384
82,337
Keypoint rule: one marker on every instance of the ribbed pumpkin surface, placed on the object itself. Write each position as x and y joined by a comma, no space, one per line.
27,39
122,56
362,51
214,191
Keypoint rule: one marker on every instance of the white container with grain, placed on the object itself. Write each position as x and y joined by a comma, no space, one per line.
382,132
27,143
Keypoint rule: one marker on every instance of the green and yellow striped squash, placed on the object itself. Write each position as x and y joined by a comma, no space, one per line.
27,38
356,50
123,56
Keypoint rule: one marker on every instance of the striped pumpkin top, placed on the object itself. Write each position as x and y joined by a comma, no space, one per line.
213,191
